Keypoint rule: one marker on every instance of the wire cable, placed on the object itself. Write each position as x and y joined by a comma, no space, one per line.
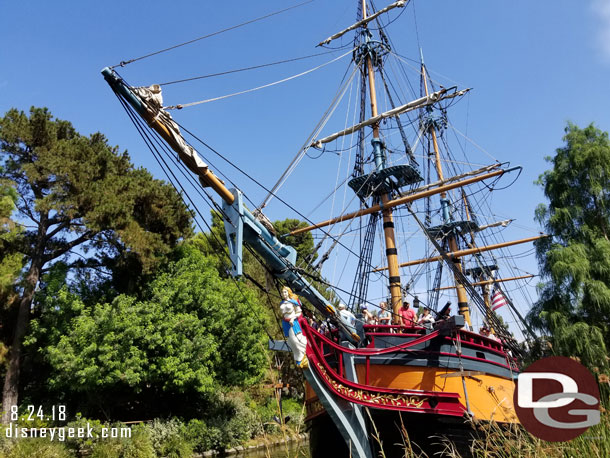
254,67
123,63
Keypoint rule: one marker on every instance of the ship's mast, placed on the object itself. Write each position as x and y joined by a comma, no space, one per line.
445,211
388,219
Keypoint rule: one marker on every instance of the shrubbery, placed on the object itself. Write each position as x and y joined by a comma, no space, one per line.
231,420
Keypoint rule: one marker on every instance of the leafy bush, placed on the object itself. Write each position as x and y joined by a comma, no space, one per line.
84,443
34,448
140,445
168,440
229,422
290,407
107,448
165,349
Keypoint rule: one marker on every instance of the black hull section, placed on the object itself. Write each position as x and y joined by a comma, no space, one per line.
424,433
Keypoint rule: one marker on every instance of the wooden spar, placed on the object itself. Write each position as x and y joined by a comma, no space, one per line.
161,121
488,282
401,200
207,177
388,219
374,120
472,173
366,20
466,252
463,308
485,292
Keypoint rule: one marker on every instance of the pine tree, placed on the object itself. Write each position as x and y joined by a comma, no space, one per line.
11,261
78,194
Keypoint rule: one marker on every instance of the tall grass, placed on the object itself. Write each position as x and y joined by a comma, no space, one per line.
491,440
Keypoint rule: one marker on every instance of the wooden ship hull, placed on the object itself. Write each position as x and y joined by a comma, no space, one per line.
415,382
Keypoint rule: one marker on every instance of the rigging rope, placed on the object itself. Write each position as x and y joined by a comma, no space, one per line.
123,63
361,285
295,161
211,75
305,218
185,105
471,289
140,126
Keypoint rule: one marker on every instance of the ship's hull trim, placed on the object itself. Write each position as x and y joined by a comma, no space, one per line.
423,372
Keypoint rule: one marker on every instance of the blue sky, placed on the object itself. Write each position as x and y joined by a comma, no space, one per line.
532,66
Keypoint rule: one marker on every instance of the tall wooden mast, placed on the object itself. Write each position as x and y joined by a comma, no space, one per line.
388,219
451,239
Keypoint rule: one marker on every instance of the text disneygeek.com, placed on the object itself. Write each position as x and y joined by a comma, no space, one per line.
61,433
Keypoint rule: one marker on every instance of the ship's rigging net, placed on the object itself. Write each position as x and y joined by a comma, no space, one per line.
359,292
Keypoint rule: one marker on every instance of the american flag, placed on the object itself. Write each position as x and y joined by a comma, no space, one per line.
497,299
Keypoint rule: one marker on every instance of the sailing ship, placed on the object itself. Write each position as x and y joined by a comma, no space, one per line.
365,377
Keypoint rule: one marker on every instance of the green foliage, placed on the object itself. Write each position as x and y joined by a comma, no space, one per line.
226,310
190,333
35,448
84,443
574,305
291,407
110,448
213,243
228,422
78,193
167,439
79,190
140,445
303,242
11,261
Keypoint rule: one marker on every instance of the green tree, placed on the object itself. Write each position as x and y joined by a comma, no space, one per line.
303,242
10,231
190,334
11,261
574,304
79,193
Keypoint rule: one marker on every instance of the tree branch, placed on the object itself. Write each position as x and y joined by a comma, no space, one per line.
25,209
77,241
58,229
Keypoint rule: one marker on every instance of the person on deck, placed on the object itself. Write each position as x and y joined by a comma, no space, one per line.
426,319
485,331
367,316
408,317
348,319
290,308
385,316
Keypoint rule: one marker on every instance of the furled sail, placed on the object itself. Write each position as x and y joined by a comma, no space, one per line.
413,105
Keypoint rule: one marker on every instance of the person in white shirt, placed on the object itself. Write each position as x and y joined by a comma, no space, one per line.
347,317
426,319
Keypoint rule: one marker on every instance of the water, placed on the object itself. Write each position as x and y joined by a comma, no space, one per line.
290,450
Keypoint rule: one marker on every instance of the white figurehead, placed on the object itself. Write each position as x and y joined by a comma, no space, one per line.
290,308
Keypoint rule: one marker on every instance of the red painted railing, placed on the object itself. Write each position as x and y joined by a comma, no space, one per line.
435,402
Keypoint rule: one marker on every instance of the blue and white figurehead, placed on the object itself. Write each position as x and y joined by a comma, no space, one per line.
290,308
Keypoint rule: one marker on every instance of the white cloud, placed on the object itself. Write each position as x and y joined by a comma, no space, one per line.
601,9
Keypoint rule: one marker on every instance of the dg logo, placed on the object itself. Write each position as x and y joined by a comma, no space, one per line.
557,399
